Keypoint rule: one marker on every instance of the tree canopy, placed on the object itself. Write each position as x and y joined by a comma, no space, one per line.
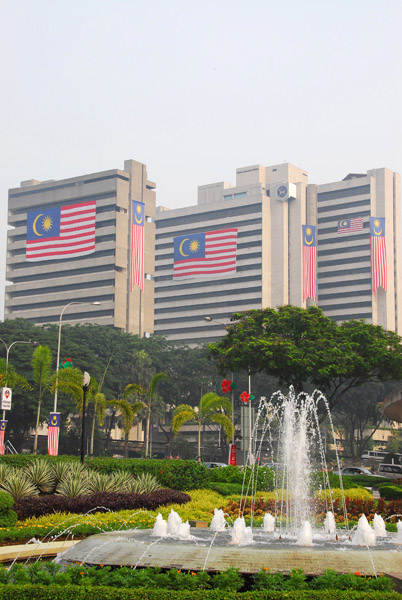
303,347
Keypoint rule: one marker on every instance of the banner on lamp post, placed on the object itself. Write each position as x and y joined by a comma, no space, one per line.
232,455
5,398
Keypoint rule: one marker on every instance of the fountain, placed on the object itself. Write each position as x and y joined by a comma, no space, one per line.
288,428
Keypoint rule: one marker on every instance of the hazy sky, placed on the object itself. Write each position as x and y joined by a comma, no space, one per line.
195,89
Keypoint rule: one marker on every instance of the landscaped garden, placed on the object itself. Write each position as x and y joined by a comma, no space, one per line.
58,498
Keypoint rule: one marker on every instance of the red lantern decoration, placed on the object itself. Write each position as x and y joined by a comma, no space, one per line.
244,397
226,386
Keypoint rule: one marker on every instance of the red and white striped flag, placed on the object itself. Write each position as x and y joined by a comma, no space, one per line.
137,245
309,262
61,232
3,425
53,434
378,254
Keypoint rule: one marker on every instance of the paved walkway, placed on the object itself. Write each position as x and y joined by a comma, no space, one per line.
34,549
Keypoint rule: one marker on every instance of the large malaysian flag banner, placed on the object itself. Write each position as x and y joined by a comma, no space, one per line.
350,225
61,232
137,245
3,425
53,434
378,254
209,254
309,262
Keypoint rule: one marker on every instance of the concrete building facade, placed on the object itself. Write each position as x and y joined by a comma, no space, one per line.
40,290
268,206
344,270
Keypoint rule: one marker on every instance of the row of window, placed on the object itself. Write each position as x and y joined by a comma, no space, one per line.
95,255
61,303
343,261
343,193
63,288
249,255
229,276
343,306
204,217
210,294
364,292
206,305
335,219
246,305
41,190
72,317
210,283
344,206
60,274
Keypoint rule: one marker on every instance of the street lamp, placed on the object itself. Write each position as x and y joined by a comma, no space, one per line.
8,348
58,346
85,386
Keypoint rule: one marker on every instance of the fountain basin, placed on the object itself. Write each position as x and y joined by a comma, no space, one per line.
138,548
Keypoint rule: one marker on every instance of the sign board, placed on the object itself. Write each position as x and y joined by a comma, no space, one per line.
5,398
285,191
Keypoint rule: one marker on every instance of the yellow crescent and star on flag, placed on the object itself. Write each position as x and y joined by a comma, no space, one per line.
138,213
377,226
309,235
189,246
43,223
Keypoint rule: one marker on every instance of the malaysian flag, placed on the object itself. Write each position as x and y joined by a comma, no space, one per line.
137,245
61,232
309,262
205,254
350,225
53,434
3,425
378,254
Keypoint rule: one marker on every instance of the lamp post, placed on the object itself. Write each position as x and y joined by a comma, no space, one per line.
85,386
58,346
8,348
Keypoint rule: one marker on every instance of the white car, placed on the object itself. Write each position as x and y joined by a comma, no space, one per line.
355,471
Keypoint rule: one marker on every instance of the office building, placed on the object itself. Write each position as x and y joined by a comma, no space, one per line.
344,209
45,278
268,207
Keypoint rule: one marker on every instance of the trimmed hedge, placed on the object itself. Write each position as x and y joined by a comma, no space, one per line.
77,592
37,506
390,492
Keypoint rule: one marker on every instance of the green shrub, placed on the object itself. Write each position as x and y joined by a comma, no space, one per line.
18,485
390,492
225,489
40,474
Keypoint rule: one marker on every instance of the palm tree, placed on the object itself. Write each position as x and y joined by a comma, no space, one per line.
149,396
127,412
212,409
42,368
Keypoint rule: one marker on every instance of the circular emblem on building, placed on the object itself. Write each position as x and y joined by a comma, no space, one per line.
282,191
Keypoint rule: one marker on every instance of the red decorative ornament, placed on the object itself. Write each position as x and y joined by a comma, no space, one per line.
226,386
244,397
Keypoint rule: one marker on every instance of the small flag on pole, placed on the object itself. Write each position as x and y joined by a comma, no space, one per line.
137,245
309,262
378,254
3,425
53,434
350,225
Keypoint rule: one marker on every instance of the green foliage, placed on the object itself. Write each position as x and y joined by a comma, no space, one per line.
18,485
41,474
229,580
8,517
144,484
74,484
299,345
391,492
225,489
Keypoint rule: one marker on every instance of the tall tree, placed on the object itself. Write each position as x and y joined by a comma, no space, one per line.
302,346
212,409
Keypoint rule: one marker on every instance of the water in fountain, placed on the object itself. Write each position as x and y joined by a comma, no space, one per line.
379,526
329,523
364,534
241,535
218,522
173,523
398,537
160,527
268,523
305,535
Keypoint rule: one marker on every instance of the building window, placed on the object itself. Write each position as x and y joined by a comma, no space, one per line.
228,197
240,195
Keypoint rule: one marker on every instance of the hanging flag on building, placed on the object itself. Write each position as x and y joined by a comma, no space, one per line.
350,225
378,254
53,434
309,262
3,425
137,245
61,232
205,254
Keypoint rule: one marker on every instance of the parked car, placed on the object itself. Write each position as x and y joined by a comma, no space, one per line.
212,465
390,471
354,471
